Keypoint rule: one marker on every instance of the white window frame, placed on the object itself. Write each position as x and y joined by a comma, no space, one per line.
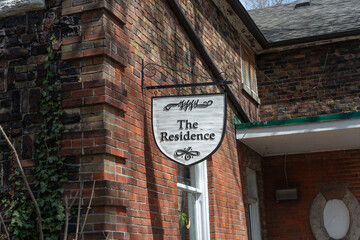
201,229
253,201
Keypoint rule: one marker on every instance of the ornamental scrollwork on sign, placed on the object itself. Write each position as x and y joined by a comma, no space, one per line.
187,153
188,105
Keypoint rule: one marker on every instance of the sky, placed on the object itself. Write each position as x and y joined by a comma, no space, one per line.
248,3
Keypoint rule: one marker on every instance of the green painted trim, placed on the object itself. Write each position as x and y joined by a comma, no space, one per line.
302,120
237,121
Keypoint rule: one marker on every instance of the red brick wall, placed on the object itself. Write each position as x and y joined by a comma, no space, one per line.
108,134
152,180
310,81
115,113
290,219
156,36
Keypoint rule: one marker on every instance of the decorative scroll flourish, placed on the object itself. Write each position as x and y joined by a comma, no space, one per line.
188,105
187,153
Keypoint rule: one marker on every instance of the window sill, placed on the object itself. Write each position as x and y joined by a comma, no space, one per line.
16,7
251,93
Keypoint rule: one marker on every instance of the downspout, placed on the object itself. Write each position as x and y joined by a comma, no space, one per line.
184,22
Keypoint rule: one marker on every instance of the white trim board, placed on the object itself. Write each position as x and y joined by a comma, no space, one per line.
302,138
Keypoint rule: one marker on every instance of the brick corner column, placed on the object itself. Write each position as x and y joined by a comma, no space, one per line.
94,102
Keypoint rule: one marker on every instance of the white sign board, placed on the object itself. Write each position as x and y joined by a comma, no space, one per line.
188,129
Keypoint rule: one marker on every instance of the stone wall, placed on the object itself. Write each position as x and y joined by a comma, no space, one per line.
310,81
23,41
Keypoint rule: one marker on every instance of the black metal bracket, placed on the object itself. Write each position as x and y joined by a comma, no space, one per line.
153,69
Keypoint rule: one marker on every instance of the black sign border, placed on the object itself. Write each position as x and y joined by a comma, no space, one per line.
192,95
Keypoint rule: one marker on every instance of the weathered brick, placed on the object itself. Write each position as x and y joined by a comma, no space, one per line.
71,55
14,53
294,85
107,134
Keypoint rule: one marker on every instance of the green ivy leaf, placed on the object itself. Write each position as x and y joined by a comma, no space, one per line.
50,73
48,171
47,65
52,55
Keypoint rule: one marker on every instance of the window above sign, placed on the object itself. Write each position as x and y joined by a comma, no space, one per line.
248,73
18,7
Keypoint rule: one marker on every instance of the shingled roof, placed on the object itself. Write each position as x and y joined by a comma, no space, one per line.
320,17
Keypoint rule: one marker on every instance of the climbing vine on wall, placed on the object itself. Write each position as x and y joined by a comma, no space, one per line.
18,209
49,170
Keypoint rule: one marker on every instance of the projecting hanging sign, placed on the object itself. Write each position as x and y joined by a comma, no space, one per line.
188,129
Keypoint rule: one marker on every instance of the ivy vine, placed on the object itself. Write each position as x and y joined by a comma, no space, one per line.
49,170
19,209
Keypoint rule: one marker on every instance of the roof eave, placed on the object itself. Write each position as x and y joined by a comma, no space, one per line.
310,39
247,20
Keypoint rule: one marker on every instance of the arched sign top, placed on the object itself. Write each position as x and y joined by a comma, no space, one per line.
188,129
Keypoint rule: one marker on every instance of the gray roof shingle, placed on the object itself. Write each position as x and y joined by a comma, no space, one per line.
285,22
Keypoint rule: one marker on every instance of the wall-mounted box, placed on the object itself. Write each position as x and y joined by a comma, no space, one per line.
287,194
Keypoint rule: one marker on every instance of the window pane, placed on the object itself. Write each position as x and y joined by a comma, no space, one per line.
253,82
248,70
187,215
251,183
193,202
255,230
186,175
245,72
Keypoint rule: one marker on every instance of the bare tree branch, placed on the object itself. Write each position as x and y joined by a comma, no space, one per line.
79,211
88,208
66,217
41,235
73,201
106,235
67,212
5,228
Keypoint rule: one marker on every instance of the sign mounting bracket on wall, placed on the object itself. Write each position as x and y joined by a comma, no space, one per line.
153,69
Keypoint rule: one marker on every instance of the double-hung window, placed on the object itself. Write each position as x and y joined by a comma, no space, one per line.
248,72
253,205
193,206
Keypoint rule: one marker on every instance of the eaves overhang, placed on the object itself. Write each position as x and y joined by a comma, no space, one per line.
312,39
247,20
302,135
